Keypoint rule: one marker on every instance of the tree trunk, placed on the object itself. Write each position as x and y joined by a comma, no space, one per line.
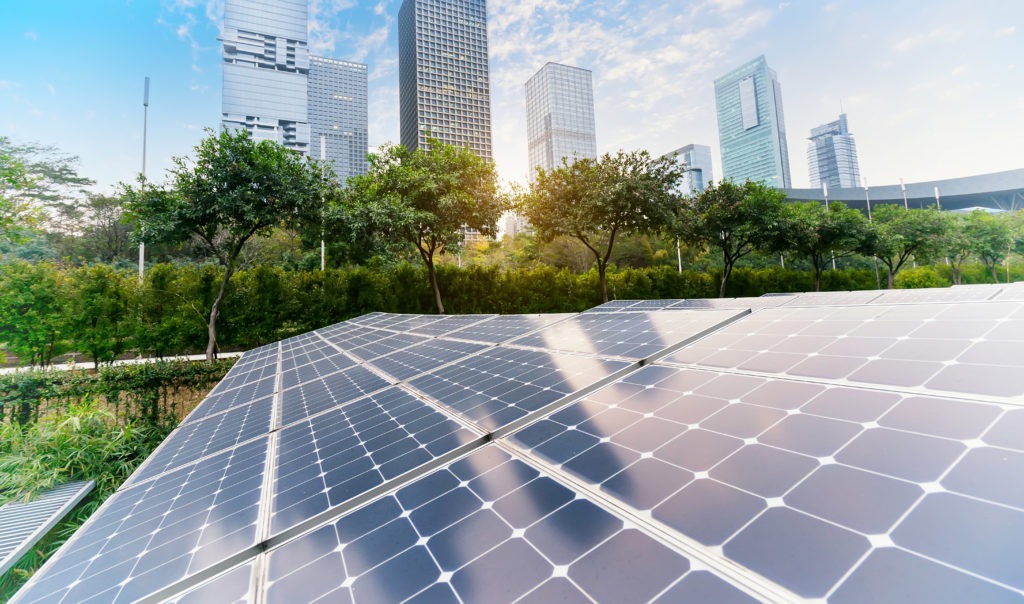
992,269
434,285
890,280
726,270
601,266
817,279
211,327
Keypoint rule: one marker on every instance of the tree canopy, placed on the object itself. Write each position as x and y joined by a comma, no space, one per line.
819,234
898,234
423,197
598,201
735,219
234,189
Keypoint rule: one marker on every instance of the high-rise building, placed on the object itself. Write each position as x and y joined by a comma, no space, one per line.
338,114
443,77
560,115
832,156
266,62
751,127
697,162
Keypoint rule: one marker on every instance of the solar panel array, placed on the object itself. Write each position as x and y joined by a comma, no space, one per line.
24,523
846,446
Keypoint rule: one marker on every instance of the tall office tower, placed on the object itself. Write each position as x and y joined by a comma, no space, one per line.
751,128
338,113
832,155
560,115
697,160
443,81
266,62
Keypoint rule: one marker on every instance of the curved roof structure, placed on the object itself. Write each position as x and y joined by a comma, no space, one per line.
998,190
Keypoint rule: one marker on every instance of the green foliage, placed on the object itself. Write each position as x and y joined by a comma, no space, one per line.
235,189
99,315
897,235
425,198
32,302
598,201
922,276
819,234
733,219
989,238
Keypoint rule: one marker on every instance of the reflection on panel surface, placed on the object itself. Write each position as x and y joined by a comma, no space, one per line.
488,528
847,446
828,474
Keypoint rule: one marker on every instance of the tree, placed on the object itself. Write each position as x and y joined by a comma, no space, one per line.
734,219
598,201
14,212
423,197
235,189
898,234
989,238
956,245
812,231
32,300
99,317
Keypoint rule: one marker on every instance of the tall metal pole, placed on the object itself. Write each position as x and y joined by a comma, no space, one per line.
323,159
145,124
824,189
938,205
906,206
867,198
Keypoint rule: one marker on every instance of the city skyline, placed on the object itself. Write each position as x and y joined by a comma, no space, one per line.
899,68
832,155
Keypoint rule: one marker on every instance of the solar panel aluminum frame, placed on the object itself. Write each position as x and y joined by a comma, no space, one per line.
29,511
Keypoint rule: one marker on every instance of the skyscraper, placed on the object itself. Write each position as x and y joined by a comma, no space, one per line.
832,155
560,115
751,127
266,62
338,112
444,86
697,159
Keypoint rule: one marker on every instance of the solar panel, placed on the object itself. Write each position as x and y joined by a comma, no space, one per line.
823,447
23,524
424,357
631,335
486,528
954,348
160,532
757,466
346,451
948,294
506,327
499,386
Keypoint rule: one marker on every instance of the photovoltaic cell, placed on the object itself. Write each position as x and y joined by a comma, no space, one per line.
732,303
385,345
917,296
24,523
426,356
232,587
202,438
486,528
336,389
632,335
448,324
833,298
827,474
329,459
149,537
498,386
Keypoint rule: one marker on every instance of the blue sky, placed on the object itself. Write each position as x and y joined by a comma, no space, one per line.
932,89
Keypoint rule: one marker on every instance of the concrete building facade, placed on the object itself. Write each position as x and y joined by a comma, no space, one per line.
560,116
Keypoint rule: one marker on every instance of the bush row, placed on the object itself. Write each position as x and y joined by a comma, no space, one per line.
103,313
159,394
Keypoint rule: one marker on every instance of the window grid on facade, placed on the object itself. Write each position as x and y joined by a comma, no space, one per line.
560,115
832,156
338,113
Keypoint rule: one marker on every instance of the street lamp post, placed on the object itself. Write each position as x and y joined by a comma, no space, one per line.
323,159
867,199
145,124
824,189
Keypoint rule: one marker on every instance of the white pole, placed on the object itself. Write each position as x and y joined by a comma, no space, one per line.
323,158
145,124
679,255
824,189
867,198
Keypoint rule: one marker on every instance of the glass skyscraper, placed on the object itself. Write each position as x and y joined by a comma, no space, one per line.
697,159
751,127
443,76
338,113
832,156
560,115
265,64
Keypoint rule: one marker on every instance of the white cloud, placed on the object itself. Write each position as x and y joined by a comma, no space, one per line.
1006,32
51,89
196,68
8,85
941,34
31,35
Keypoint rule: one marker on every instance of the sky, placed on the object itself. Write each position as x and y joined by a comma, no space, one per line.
932,89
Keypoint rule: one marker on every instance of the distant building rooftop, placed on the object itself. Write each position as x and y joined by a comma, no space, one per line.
999,191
